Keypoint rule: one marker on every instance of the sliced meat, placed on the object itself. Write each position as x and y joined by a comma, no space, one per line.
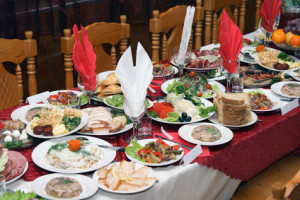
8,168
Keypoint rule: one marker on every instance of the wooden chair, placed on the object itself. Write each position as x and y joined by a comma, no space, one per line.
99,33
172,21
213,12
11,85
257,16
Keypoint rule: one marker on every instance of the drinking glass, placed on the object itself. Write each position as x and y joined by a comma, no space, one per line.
228,74
145,127
237,82
186,59
2,185
168,74
273,23
131,111
88,85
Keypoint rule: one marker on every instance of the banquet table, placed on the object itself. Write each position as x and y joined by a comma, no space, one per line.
217,172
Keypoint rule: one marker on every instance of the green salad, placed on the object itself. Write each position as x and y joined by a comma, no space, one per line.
117,101
193,84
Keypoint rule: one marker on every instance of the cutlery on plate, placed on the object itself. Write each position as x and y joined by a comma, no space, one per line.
286,99
121,149
174,142
153,83
166,133
262,80
160,99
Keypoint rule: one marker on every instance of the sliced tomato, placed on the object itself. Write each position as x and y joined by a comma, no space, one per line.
193,73
200,94
208,86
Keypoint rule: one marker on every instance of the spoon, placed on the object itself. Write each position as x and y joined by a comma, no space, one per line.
160,99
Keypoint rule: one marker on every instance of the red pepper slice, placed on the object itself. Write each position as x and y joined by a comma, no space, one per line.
266,108
160,141
148,160
149,151
176,147
142,151
53,97
158,154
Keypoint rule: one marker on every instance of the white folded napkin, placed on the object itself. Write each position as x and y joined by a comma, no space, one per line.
186,33
134,80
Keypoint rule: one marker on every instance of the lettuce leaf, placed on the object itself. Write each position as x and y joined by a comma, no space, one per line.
131,150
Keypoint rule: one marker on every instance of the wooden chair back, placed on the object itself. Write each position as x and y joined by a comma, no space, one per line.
99,33
236,9
257,16
11,85
290,191
171,22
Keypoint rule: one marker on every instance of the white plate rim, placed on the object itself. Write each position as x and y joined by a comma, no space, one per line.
20,113
176,70
75,91
137,166
165,85
42,148
245,48
186,134
258,62
206,103
267,92
276,88
39,184
83,122
214,119
144,142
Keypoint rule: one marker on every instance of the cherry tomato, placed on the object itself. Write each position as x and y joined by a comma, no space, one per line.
200,94
193,73
208,86
187,85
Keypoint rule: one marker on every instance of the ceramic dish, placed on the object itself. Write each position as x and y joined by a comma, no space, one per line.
185,132
83,102
276,88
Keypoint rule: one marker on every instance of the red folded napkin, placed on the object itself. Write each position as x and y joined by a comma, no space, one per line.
84,59
269,11
1,125
230,38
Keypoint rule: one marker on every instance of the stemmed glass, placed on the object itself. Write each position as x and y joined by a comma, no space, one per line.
187,58
269,23
88,85
228,74
131,111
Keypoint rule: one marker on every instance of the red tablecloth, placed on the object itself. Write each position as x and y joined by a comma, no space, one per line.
251,150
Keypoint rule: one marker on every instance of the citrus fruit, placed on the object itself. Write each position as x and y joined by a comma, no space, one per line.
289,35
278,36
260,48
295,41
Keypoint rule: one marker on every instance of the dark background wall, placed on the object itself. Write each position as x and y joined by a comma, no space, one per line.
48,18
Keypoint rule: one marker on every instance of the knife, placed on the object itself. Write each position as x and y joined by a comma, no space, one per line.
121,149
153,83
174,142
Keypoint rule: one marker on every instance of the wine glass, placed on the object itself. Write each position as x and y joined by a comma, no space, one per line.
88,85
228,74
135,111
175,57
268,23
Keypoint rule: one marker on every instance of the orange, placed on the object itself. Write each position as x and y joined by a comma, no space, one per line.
295,41
260,48
278,36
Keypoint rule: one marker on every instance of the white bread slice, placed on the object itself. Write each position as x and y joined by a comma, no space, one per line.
102,172
111,181
233,98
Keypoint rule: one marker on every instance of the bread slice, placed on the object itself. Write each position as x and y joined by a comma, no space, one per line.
111,181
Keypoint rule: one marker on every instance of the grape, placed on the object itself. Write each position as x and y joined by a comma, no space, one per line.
287,29
288,23
298,30
294,29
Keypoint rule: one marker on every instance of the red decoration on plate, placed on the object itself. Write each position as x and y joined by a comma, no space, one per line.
230,38
270,9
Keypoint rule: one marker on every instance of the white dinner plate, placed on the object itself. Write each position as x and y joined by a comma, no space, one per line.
89,186
137,166
276,101
266,67
214,119
248,49
206,104
24,171
167,83
21,112
106,103
39,153
276,88
160,77
185,132
163,163
83,122
293,73
76,92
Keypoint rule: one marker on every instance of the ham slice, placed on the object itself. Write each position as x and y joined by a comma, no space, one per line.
100,120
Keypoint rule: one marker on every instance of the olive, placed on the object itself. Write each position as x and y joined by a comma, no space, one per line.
247,72
181,119
184,115
286,76
275,73
263,72
188,119
252,72
257,73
